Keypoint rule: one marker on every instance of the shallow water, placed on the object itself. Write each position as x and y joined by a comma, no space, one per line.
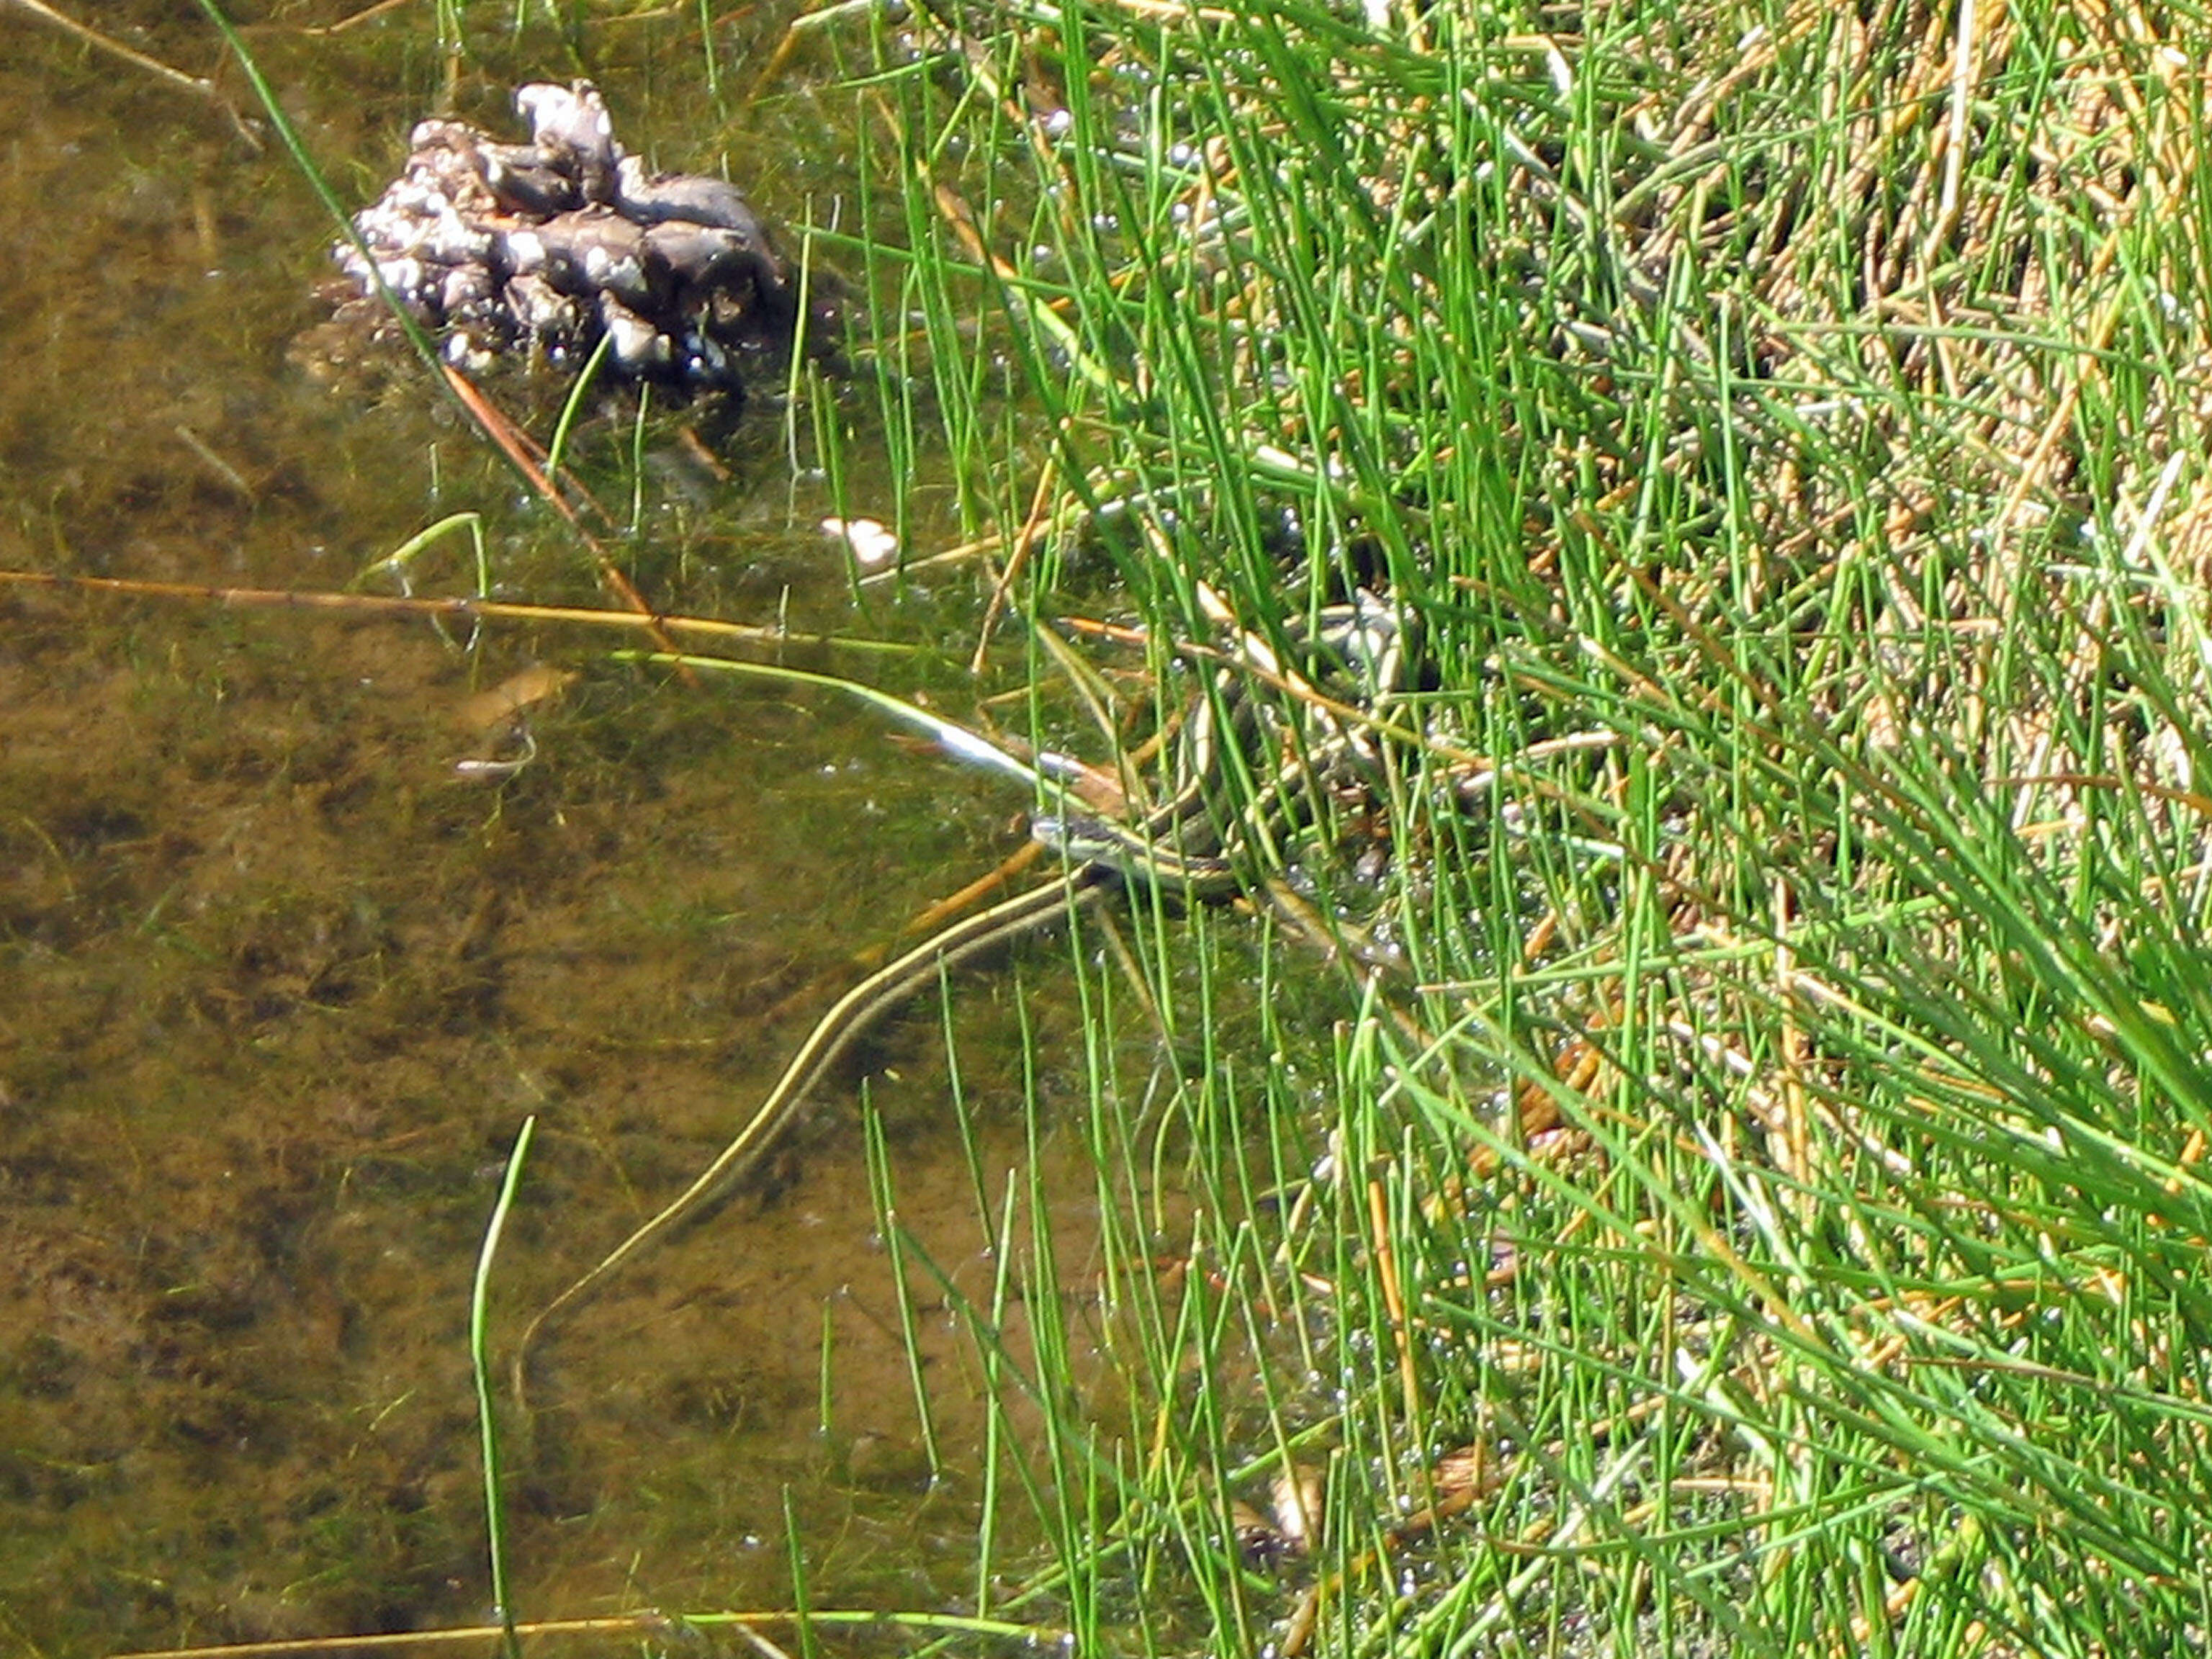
279,985
278,988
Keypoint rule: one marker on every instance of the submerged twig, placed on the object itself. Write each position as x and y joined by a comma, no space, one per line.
199,85
1025,539
392,604
649,1622
367,14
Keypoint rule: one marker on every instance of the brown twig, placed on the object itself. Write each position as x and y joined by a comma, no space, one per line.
366,15
1025,539
519,448
199,85
281,599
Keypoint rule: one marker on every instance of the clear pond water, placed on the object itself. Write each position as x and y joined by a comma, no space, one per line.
279,985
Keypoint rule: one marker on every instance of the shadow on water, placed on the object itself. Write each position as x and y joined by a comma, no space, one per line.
277,988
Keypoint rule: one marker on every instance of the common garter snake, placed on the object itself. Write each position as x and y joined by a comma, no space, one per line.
1178,846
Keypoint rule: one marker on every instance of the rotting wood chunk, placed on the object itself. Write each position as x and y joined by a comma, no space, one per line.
542,249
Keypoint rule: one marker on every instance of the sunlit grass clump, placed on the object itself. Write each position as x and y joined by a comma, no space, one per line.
1767,1212
1740,1188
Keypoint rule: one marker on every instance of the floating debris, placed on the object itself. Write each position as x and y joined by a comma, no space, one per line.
872,543
545,250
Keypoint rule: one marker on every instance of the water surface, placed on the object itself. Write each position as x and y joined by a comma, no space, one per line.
279,985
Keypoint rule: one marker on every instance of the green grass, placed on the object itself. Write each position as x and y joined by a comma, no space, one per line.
1791,448
1776,1169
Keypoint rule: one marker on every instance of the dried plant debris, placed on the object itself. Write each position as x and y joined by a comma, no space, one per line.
542,250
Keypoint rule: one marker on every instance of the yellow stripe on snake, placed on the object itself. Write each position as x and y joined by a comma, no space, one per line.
1188,845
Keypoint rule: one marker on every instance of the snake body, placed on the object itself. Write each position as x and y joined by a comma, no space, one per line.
1178,845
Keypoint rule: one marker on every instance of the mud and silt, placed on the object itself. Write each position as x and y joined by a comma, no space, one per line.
281,991
278,985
